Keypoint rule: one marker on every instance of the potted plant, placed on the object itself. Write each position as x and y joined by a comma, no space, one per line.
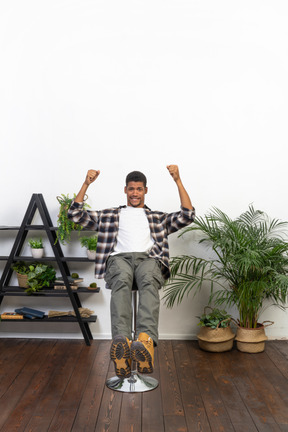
36,246
249,268
215,334
21,269
90,243
65,225
38,275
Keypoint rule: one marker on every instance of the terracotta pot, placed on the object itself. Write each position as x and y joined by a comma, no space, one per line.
22,280
216,340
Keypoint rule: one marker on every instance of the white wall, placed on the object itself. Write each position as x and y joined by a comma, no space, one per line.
123,85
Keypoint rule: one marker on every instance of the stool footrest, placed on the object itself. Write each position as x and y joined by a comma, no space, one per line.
136,383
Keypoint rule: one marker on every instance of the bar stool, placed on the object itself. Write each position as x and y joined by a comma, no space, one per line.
136,383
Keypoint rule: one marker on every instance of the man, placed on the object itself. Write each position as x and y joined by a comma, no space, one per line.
132,249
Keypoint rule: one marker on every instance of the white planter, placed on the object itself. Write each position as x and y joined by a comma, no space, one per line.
37,253
91,255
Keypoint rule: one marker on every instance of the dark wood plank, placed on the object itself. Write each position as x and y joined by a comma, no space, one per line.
152,409
131,413
76,383
89,407
234,404
254,401
41,380
173,411
11,350
261,379
282,346
20,392
52,394
278,353
194,409
171,397
217,414
110,409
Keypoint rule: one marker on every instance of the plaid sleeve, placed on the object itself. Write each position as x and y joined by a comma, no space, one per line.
178,220
87,218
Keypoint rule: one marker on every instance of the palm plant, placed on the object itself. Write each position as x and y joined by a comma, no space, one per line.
250,265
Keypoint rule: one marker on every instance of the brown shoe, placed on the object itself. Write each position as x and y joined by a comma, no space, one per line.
120,354
142,352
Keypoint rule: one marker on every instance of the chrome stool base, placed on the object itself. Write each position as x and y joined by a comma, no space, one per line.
136,383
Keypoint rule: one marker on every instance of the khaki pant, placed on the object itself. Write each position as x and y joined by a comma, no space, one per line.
121,270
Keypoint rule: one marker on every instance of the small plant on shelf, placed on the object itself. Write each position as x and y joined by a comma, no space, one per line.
65,225
37,249
90,243
36,244
38,275
21,268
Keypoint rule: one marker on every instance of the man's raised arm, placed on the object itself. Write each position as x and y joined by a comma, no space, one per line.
184,197
90,178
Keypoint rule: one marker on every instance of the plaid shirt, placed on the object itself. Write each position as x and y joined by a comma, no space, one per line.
106,223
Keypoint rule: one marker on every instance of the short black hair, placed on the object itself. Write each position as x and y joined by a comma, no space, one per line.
136,176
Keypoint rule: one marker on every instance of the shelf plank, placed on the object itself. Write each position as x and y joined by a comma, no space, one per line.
63,259
48,292
92,318
34,227
9,228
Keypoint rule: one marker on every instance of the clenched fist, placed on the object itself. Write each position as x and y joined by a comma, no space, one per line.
174,171
91,176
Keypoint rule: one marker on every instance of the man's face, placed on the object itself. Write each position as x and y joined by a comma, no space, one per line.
135,192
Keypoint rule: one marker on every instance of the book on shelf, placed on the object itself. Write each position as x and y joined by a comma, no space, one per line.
72,281
30,313
63,287
11,315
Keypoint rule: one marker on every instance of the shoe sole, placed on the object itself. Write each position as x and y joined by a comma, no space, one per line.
120,355
142,357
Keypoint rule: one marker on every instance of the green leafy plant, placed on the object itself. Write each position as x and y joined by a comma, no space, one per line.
90,243
36,244
216,318
65,225
21,267
39,275
249,268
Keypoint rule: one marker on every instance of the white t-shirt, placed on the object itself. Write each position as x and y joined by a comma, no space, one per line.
134,233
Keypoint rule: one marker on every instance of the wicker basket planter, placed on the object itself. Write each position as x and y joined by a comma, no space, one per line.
216,340
252,340
22,280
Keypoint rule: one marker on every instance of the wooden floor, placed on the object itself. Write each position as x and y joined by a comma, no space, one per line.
59,385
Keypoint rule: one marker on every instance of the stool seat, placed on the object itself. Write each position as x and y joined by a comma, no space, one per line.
136,383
